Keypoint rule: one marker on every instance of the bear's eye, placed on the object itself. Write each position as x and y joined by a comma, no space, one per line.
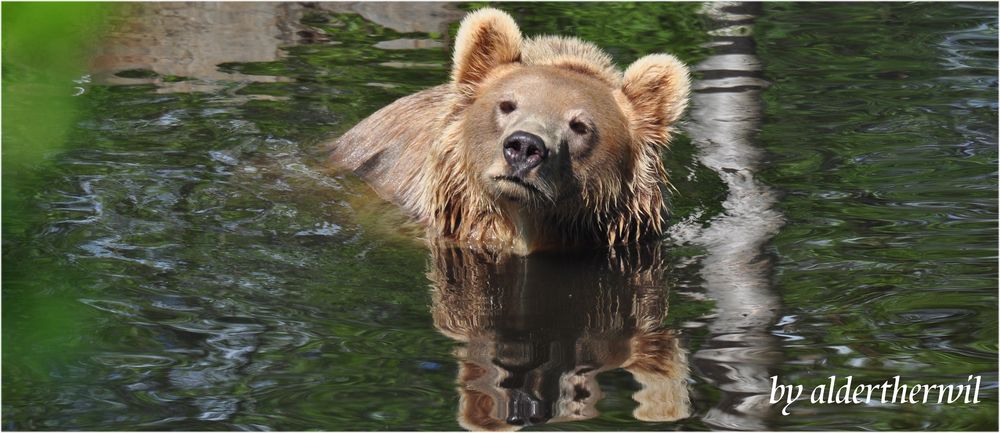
506,107
578,126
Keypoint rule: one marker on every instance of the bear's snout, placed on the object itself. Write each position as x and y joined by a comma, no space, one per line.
524,151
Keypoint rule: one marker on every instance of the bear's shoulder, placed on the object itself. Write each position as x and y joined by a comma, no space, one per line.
389,148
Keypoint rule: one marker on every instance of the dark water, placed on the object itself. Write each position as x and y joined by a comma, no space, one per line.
175,256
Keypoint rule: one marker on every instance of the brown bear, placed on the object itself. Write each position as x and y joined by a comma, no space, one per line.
535,143
536,332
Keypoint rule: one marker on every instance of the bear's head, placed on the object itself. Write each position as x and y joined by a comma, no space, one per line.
550,136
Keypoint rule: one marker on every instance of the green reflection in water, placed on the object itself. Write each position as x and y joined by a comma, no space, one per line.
172,262
883,138
46,50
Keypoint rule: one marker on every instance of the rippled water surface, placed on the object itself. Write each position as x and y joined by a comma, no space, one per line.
176,255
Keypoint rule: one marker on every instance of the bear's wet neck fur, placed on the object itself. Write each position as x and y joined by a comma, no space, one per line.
524,229
466,214
532,231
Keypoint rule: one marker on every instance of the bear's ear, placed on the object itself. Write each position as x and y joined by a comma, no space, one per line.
657,86
486,39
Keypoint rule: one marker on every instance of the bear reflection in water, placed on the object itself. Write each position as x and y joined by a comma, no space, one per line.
536,332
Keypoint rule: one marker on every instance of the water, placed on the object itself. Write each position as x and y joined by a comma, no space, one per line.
176,256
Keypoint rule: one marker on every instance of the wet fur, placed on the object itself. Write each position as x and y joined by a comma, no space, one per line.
411,151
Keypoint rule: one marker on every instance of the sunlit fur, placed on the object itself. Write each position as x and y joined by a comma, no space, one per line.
573,54
413,152
486,39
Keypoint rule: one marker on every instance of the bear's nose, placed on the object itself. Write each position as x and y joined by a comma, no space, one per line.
524,151
523,409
